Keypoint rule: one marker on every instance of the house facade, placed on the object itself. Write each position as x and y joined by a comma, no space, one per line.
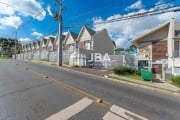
56,42
70,41
98,41
50,44
84,39
157,48
83,44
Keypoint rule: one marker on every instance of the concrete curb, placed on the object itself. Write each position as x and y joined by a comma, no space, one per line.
122,80
118,79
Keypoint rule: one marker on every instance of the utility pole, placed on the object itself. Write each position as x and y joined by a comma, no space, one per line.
58,16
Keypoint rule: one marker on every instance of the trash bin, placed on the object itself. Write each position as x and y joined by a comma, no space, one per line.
146,75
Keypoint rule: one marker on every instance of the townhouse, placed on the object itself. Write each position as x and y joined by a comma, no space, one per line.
98,41
83,44
159,48
70,41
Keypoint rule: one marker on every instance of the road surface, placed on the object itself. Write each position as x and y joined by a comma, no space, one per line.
32,91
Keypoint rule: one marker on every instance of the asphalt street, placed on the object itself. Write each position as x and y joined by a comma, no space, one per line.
33,91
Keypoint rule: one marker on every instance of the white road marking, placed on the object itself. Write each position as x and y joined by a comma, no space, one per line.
126,114
72,110
111,116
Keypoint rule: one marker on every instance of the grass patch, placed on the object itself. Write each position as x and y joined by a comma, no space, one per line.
66,62
40,62
175,80
127,72
123,70
53,64
4,58
175,84
137,77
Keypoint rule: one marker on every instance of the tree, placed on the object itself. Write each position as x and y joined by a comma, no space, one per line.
8,47
131,48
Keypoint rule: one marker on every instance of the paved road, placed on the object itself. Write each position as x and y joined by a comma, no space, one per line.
25,94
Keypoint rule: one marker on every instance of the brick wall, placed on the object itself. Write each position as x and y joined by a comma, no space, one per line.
159,50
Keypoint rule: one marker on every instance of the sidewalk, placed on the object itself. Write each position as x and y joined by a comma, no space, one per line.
161,85
156,85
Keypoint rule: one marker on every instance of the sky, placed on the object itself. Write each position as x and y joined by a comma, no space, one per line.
32,19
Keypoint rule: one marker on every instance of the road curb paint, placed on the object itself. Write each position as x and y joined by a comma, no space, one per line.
126,113
111,116
71,110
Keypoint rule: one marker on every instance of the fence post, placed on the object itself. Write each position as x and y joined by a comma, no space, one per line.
123,60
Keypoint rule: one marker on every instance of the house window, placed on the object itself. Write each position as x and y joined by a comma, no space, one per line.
177,49
71,48
143,64
88,45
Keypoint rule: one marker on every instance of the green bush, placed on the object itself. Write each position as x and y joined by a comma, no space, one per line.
175,79
123,70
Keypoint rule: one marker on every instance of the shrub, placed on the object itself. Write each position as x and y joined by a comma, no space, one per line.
175,79
123,70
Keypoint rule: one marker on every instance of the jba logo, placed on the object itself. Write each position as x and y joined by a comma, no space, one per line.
98,57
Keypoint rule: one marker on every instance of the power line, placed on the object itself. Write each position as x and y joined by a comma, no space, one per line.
95,10
23,10
30,20
138,15
115,4
104,7
19,9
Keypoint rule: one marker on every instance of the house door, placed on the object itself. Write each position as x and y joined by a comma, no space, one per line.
157,71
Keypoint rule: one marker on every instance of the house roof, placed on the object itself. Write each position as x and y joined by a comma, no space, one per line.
90,31
105,31
44,40
74,36
38,42
33,43
151,31
50,39
56,39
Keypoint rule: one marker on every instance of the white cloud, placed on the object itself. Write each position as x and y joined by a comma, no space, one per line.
11,21
124,31
37,34
31,8
65,33
136,5
25,40
47,36
49,10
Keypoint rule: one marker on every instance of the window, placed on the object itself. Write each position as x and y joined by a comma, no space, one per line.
71,48
88,45
143,64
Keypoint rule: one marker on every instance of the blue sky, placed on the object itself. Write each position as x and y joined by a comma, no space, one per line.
33,18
